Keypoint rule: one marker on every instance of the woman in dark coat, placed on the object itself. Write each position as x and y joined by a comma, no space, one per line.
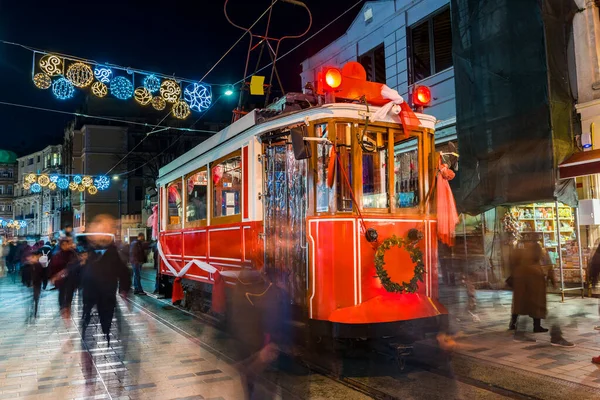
529,286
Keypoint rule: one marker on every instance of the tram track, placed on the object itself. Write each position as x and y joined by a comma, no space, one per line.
370,389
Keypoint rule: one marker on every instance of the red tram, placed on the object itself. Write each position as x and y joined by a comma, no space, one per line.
269,193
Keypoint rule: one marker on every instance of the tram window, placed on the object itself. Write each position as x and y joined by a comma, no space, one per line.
406,173
197,190
375,171
174,201
324,193
227,185
343,146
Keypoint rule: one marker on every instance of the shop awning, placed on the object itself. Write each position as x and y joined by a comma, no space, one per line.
580,164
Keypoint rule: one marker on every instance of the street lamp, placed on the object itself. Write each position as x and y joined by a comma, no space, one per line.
229,90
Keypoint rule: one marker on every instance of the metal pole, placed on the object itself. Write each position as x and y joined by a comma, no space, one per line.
466,264
559,249
120,216
579,251
485,259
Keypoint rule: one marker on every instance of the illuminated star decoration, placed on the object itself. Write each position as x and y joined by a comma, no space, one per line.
42,80
62,183
36,188
63,89
198,96
53,178
121,88
152,83
51,64
99,89
102,182
103,74
170,91
80,74
23,224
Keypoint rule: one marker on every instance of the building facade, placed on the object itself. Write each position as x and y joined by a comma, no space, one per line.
41,211
402,43
8,177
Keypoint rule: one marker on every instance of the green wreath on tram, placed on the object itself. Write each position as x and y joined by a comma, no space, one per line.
416,255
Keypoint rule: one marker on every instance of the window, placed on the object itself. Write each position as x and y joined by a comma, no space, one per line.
1,207
374,63
324,193
39,158
1,189
138,193
138,169
375,171
227,185
406,171
30,161
55,159
9,189
197,190
174,201
431,46
22,164
343,142
8,208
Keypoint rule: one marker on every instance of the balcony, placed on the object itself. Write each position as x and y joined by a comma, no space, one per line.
30,216
20,217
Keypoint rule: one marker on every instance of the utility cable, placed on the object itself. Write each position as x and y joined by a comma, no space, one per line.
101,117
307,39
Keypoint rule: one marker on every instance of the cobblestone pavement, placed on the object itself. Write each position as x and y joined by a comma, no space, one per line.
488,339
147,358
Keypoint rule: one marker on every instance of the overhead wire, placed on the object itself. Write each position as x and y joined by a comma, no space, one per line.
303,42
104,118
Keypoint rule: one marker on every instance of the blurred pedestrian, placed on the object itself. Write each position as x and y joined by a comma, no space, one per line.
137,257
103,274
59,275
35,274
593,274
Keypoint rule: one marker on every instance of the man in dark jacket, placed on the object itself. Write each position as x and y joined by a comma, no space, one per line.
103,273
137,257
593,274
59,276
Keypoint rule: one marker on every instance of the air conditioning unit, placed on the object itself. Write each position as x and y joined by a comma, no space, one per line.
589,212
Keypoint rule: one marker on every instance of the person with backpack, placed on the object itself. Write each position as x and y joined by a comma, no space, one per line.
44,260
137,257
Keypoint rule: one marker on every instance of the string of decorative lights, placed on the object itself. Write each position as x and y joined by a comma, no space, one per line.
11,223
103,118
302,43
82,183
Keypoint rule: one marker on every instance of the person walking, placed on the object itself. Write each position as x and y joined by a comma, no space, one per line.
103,274
59,275
593,274
35,277
137,257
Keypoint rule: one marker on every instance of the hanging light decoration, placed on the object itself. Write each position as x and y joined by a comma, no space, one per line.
99,89
102,74
142,96
43,180
73,186
36,188
81,188
26,185
62,183
198,96
63,89
80,74
51,64
159,103
42,80
53,178
170,91
181,109
31,178
121,88
87,181
152,83
52,186
77,179
102,182
92,190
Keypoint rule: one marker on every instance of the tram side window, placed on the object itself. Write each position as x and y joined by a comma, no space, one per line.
324,193
227,185
375,171
174,199
343,145
406,171
197,190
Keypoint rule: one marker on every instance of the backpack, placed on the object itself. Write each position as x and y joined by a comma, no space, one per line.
44,259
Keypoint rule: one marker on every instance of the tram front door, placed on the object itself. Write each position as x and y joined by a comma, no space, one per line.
285,205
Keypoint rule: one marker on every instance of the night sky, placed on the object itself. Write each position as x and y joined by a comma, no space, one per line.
173,37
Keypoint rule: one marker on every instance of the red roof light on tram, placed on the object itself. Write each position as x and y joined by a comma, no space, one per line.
421,96
333,78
